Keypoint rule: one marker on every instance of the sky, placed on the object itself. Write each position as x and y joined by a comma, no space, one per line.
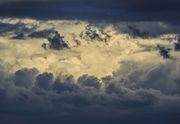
117,76
89,61
128,10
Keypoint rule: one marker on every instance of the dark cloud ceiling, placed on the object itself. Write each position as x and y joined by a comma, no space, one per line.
143,10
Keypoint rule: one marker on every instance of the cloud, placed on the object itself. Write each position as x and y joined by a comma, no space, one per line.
63,96
89,81
93,34
65,83
25,77
44,81
125,80
3,95
139,29
114,10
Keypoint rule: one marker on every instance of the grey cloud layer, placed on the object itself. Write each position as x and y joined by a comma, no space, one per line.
164,10
139,96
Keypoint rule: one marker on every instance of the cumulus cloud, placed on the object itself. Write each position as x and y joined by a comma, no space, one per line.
44,81
64,94
25,77
65,84
125,80
89,81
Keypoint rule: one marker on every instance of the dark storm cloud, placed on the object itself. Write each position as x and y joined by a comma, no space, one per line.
65,83
25,77
138,97
89,81
165,10
44,81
